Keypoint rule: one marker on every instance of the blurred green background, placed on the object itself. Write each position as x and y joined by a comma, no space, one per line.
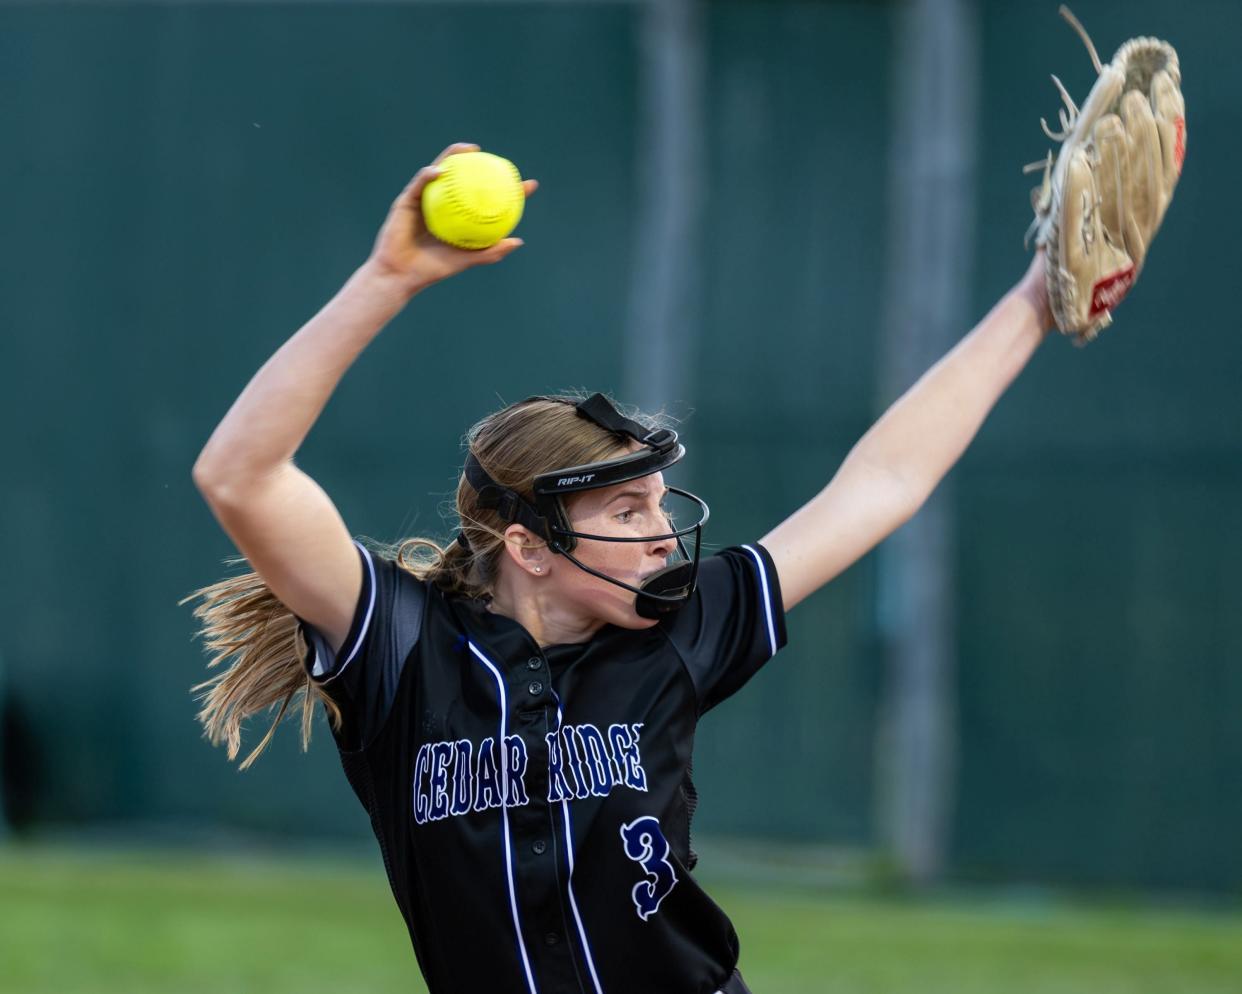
188,182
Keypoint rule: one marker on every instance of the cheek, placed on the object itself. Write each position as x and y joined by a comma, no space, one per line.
611,557
607,601
621,560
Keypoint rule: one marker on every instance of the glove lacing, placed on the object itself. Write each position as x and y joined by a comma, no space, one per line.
1041,195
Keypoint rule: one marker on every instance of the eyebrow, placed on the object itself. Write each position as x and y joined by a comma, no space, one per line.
632,493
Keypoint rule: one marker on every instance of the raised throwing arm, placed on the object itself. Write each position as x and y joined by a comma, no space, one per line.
277,516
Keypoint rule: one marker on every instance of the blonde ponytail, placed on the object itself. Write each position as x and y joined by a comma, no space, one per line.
247,627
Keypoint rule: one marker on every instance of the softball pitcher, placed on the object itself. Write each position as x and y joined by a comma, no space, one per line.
516,710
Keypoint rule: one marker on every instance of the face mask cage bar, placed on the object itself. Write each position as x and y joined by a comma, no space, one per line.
665,590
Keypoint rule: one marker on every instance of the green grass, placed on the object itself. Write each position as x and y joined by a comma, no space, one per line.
78,921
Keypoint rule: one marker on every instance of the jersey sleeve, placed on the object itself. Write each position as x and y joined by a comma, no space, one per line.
733,623
362,678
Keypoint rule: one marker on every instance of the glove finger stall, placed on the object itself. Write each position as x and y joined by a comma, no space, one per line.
1170,117
1111,177
1145,174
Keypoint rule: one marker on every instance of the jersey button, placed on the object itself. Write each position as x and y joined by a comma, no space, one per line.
534,663
539,847
535,688
551,938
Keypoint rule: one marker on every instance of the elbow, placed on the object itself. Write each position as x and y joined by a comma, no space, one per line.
203,475
901,490
912,495
217,483
222,493
907,509
225,485
916,494
215,489
209,475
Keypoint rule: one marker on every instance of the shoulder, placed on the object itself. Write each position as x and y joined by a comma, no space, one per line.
391,605
732,624
737,577
388,577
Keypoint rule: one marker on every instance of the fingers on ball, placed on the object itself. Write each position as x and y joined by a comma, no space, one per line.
498,251
414,188
454,149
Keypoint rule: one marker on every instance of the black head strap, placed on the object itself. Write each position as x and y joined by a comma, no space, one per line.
509,504
599,409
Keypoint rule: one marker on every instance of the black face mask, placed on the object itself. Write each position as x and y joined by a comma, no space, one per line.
665,590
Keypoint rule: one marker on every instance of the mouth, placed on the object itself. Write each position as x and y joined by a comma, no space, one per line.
644,577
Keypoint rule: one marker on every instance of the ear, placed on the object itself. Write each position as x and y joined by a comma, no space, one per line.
527,550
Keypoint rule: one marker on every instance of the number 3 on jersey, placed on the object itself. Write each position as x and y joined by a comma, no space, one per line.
645,845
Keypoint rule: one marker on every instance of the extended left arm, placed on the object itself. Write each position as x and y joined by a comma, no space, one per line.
896,465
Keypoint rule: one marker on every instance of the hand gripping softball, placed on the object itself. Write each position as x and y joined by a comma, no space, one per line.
1103,197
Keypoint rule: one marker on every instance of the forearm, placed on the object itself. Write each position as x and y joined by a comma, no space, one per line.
268,422
925,432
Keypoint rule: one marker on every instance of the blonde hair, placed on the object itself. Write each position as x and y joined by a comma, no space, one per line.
258,640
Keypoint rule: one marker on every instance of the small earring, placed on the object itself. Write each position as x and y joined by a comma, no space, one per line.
538,569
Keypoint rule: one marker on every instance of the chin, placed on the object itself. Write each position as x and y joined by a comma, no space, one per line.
635,621
620,611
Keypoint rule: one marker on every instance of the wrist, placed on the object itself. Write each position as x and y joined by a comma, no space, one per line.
385,282
1033,289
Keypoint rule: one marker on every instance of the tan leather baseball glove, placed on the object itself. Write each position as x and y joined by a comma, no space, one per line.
1105,193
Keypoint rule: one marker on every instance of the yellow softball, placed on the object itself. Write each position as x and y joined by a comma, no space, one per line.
475,201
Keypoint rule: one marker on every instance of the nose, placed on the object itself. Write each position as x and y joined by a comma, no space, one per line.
663,547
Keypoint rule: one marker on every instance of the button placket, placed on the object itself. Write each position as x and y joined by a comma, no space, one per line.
537,826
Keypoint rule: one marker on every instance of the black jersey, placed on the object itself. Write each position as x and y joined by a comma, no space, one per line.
533,805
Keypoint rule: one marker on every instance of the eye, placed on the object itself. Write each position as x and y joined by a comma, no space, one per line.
624,516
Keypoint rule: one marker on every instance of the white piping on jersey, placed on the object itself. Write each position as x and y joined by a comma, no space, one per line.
767,596
504,810
362,632
569,848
